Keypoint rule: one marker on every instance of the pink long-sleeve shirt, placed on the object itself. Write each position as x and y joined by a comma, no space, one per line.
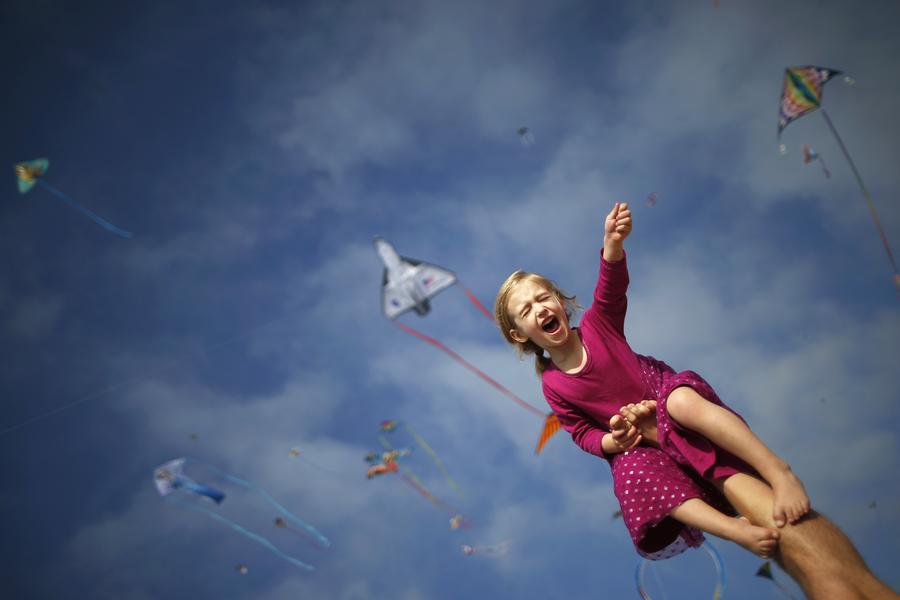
585,401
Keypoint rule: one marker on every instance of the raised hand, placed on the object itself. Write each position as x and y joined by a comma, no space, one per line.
618,223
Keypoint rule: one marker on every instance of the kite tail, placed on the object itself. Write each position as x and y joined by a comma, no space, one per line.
94,217
478,304
868,198
253,536
434,457
410,479
469,366
291,517
204,490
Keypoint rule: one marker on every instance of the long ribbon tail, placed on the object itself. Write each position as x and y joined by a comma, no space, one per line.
722,578
94,217
434,458
290,516
204,490
469,366
253,536
825,168
410,479
868,198
478,304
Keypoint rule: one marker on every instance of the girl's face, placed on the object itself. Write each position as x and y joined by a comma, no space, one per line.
538,315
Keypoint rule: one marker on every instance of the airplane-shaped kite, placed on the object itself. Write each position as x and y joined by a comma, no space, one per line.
407,283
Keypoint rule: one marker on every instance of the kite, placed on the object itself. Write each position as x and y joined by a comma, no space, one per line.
721,579
495,549
810,155
171,478
242,569
391,426
525,136
651,199
408,284
295,453
802,94
32,172
389,464
386,463
765,571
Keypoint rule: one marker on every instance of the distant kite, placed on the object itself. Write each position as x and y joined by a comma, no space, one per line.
498,549
171,478
32,172
391,426
802,94
810,155
525,136
389,463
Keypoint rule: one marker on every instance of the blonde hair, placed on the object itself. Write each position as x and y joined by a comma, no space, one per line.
506,322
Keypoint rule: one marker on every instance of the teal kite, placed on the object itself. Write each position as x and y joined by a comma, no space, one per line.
30,173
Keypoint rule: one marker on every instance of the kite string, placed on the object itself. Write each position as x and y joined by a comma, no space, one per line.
477,304
171,364
862,186
434,457
469,366
253,536
293,518
411,479
94,217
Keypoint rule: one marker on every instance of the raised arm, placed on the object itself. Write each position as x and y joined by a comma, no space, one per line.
610,300
615,230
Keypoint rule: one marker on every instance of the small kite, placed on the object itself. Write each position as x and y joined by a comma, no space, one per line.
765,571
32,172
810,155
651,199
295,452
802,94
242,569
171,478
499,549
525,136
408,284
386,463
389,463
391,426
721,579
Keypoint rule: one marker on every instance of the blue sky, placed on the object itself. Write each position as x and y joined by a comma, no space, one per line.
256,149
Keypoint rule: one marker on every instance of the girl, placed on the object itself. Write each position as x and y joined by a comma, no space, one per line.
591,370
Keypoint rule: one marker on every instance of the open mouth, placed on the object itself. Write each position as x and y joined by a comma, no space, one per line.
551,325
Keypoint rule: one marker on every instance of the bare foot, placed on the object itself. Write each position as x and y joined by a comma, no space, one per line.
761,541
791,501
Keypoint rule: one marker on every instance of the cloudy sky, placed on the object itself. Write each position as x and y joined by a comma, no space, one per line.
255,149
